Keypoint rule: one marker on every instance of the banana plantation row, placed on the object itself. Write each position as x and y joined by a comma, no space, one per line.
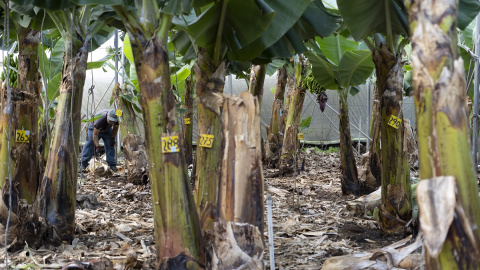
313,46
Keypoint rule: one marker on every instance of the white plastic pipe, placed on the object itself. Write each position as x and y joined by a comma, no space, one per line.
270,232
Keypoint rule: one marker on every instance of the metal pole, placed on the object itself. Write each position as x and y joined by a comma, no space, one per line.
115,42
123,68
359,134
270,232
475,94
369,107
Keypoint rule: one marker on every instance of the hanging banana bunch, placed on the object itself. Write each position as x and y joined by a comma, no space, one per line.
13,62
314,87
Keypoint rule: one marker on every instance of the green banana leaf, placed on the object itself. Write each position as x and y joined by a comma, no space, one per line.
287,13
244,22
53,86
355,67
467,11
324,72
365,17
101,62
333,47
316,20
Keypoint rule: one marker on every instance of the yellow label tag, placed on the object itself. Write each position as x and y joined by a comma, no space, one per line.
187,121
205,141
22,136
394,122
170,144
300,136
118,112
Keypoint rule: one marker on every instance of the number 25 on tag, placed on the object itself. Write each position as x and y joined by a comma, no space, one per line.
205,141
394,122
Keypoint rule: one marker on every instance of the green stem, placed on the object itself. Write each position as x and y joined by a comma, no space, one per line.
218,41
389,26
164,26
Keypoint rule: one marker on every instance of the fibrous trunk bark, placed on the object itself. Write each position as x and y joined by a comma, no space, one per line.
25,172
348,167
373,176
188,128
396,208
238,231
275,131
292,126
257,80
178,235
57,193
210,81
444,148
133,145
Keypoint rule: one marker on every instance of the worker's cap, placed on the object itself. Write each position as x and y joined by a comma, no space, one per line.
112,116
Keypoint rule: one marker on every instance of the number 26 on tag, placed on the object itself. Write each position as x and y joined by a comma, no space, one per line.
394,122
205,141
22,136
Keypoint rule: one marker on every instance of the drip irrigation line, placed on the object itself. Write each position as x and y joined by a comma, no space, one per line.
8,111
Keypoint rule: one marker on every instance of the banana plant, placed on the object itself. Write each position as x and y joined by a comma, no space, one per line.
221,31
386,23
383,26
23,117
177,227
78,27
337,64
446,165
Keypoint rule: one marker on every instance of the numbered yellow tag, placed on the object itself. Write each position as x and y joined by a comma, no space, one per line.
205,141
300,136
170,144
394,122
22,136
188,121
118,112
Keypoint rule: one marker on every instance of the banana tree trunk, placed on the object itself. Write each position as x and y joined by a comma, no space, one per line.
373,171
59,184
348,167
178,235
444,148
238,237
257,80
188,127
277,121
396,208
23,157
210,81
136,160
292,126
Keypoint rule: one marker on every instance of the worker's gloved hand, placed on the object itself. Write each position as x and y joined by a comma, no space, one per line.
98,149
112,141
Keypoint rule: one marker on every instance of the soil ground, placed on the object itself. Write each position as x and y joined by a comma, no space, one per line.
310,222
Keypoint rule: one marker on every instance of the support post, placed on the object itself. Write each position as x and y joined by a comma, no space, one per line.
475,96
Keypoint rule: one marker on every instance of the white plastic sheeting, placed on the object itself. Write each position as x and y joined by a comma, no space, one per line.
321,130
